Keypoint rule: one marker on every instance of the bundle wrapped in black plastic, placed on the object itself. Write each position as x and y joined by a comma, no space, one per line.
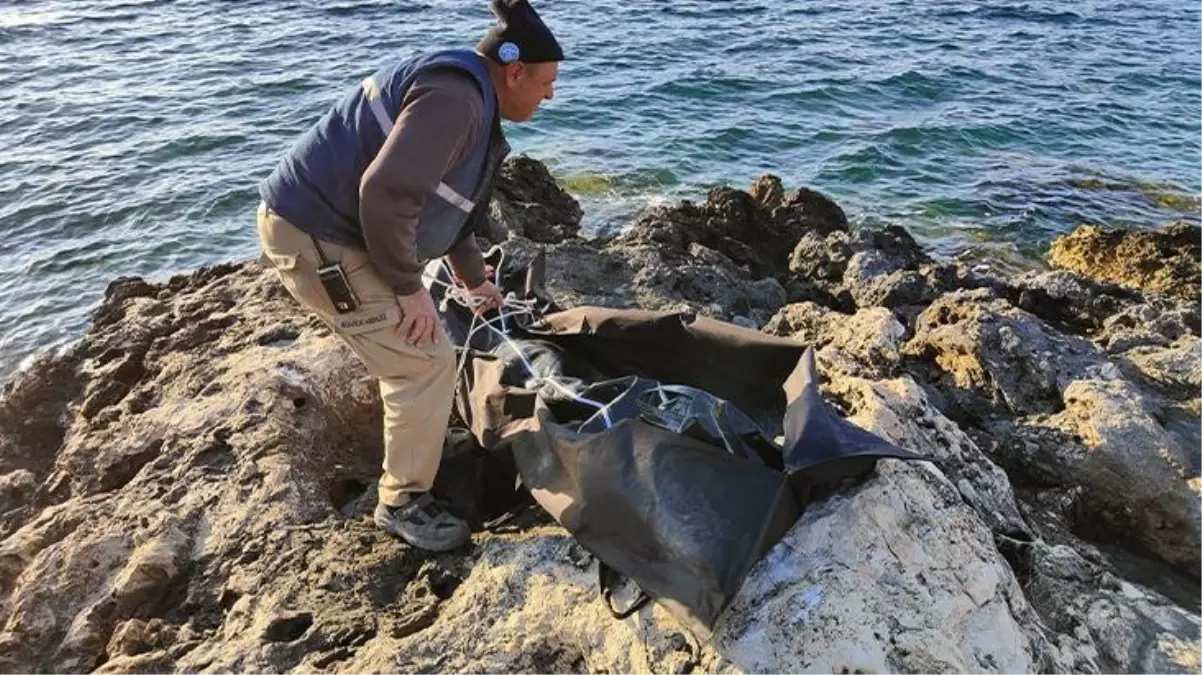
677,449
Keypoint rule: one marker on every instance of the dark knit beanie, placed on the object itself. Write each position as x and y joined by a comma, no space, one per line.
519,35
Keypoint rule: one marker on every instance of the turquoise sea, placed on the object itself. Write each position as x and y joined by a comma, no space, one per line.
133,133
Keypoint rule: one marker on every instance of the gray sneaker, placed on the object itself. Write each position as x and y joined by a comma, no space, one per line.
424,523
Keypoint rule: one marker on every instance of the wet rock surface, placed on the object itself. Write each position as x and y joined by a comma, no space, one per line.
189,487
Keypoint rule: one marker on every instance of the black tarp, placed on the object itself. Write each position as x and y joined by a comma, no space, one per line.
686,488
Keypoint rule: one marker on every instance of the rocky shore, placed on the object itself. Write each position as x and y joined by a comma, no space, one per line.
188,489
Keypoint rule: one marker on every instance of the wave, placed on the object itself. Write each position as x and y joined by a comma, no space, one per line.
1023,12
374,7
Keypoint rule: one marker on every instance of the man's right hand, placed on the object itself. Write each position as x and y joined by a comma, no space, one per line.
419,319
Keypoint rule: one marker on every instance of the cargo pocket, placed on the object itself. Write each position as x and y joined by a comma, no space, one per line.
371,332
368,319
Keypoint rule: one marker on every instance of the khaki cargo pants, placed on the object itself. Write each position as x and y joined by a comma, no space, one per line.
416,382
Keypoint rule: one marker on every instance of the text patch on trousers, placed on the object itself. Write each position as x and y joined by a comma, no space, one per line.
368,319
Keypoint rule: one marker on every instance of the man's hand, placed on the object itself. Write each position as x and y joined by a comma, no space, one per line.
419,319
490,297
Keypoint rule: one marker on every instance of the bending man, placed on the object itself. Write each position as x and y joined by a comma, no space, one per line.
396,174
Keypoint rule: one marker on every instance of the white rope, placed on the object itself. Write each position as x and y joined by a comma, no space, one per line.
517,307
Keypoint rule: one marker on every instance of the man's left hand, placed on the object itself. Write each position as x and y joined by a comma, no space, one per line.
490,297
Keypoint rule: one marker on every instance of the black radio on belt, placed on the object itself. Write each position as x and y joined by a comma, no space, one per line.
337,286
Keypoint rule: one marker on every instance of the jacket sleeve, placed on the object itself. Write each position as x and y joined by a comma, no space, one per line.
438,124
467,261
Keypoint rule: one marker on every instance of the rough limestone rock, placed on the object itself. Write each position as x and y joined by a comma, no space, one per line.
806,322
237,551
529,604
529,203
756,235
1140,478
16,489
1157,322
1174,368
1113,625
1130,469
866,343
866,268
181,471
860,354
222,523
1066,300
896,289
899,409
1101,624
816,267
188,488
30,415
988,353
888,269
897,575
624,275
1167,261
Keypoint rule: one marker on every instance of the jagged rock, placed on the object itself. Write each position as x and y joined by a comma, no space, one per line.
1033,454
1166,261
225,412
189,487
111,309
866,580
247,532
529,203
1134,474
897,575
1181,422
136,636
1174,368
747,230
1109,472
1156,322
1093,621
899,410
624,275
867,343
16,489
1115,627
1067,300
33,414
805,322
877,268
1137,476
895,248
768,191
897,288
988,353
821,258
549,621
798,290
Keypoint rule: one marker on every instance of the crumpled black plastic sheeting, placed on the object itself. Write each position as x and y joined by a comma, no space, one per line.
576,398
672,486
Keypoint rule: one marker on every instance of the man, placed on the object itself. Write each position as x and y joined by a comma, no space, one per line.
396,174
